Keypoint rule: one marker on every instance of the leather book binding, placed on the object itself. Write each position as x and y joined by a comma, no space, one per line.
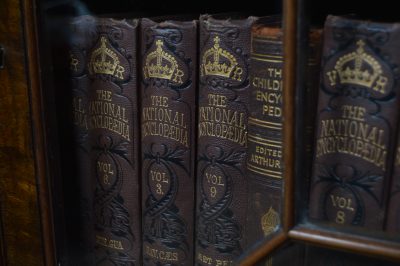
222,139
168,106
265,125
114,139
356,122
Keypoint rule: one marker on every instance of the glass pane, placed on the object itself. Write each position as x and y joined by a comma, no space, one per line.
151,121
349,182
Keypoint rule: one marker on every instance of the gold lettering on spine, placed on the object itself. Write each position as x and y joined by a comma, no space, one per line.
161,254
214,181
159,120
158,178
204,259
268,91
265,153
217,120
107,115
109,243
265,156
106,170
350,134
342,204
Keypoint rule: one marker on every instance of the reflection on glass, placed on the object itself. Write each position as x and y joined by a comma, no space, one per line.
356,123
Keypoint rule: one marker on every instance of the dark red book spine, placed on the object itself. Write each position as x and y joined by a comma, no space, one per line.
265,125
168,106
114,139
222,139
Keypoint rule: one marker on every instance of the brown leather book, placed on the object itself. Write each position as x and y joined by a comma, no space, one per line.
356,122
265,125
168,106
114,139
222,137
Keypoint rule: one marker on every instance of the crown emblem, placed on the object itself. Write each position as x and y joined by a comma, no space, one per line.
270,221
219,62
358,68
105,61
162,65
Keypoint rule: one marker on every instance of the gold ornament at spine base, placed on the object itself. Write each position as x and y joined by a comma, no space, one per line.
270,221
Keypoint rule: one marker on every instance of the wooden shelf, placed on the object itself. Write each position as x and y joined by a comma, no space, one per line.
346,242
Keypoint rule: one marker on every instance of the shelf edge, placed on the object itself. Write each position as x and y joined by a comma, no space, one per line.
350,243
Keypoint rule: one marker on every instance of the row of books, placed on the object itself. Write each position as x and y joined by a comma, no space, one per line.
162,122
178,133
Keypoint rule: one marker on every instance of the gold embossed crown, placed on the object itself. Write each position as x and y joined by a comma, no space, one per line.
270,221
105,61
219,62
359,68
162,65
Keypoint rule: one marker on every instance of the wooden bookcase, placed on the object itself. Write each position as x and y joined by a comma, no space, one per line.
31,216
27,228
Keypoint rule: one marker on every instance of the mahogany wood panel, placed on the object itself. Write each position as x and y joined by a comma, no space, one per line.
18,189
39,121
